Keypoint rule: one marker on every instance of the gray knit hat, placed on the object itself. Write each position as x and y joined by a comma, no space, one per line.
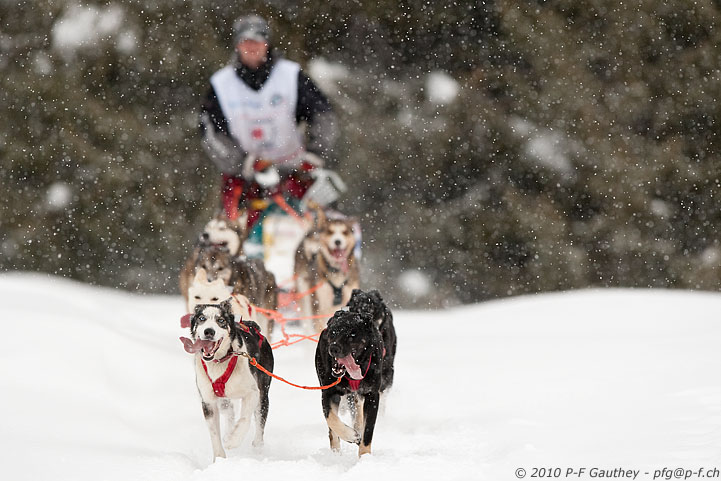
251,27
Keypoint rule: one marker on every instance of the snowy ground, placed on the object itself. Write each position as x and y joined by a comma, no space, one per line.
95,385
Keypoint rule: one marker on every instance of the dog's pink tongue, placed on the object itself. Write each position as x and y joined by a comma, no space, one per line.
354,371
193,347
341,258
344,265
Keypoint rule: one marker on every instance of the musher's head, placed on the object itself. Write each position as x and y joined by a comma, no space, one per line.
252,38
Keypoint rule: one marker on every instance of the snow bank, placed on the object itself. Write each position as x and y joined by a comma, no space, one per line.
96,386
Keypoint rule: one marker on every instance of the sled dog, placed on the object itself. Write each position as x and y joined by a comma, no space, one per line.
219,232
371,304
203,291
325,266
246,276
351,348
222,376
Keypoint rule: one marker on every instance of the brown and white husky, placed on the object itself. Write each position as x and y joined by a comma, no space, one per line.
325,266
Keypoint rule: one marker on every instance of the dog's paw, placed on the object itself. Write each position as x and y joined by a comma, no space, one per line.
231,442
350,435
233,439
363,449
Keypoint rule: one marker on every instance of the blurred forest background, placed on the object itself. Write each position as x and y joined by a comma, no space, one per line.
493,148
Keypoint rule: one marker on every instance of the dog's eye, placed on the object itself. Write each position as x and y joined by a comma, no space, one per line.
201,318
197,297
221,322
214,299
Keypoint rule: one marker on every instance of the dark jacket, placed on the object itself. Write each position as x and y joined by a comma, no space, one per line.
312,107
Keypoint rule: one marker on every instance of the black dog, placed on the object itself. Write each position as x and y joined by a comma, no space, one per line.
371,304
351,347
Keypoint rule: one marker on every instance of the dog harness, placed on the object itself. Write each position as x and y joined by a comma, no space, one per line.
219,384
355,383
245,328
337,292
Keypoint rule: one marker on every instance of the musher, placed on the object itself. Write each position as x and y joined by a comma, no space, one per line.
252,129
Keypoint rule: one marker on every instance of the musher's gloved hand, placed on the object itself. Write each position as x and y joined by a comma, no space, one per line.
264,173
268,178
326,189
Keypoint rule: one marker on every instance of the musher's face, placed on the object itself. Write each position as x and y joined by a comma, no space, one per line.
252,53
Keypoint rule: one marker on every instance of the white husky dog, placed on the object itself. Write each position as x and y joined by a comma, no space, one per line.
202,291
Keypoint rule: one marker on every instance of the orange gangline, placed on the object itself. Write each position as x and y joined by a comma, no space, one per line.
254,362
301,295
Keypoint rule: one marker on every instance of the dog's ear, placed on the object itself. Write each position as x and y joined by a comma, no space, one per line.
352,223
354,294
218,282
226,309
239,225
376,296
201,275
219,215
311,247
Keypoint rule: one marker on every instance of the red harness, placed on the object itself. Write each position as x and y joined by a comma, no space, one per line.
245,328
219,384
355,383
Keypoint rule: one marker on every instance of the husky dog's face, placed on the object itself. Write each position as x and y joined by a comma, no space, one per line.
202,291
337,240
217,263
348,339
213,323
225,233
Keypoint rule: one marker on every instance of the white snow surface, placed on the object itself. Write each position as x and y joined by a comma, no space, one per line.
96,386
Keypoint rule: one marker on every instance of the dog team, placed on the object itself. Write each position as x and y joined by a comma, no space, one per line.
228,299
